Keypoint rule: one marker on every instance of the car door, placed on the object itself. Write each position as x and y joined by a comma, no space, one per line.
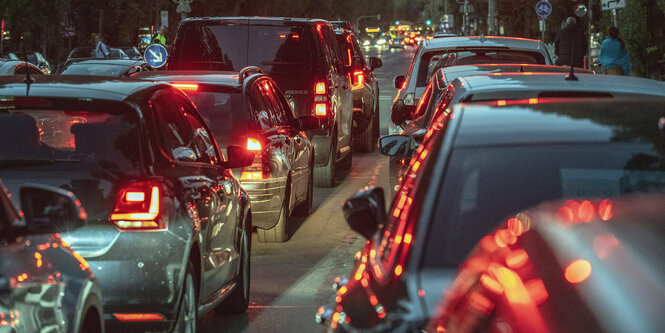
299,152
340,87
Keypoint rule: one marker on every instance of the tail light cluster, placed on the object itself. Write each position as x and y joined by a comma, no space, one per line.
137,207
320,99
257,170
357,80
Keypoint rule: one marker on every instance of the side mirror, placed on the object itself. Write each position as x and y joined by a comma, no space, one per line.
238,157
49,209
399,81
365,211
375,63
399,114
308,122
397,145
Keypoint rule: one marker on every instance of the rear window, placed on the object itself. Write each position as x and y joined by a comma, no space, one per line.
432,61
222,109
485,185
233,47
106,140
94,69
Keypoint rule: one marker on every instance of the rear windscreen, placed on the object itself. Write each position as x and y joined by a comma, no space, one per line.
94,69
101,139
432,61
222,110
233,47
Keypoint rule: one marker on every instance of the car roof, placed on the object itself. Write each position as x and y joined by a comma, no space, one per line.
452,71
253,19
481,41
229,79
74,86
500,83
551,121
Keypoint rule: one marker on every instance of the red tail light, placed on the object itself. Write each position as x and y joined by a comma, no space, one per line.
358,80
137,207
321,109
320,88
139,316
256,170
186,86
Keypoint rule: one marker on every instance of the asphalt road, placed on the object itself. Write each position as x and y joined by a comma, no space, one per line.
289,281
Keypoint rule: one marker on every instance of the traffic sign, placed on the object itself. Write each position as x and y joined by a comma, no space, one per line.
612,4
543,8
155,55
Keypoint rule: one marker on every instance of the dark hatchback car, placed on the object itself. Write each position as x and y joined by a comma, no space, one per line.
365,87
44,285
301,55
103,67
169,228
570,266
247,109
17,67
480,166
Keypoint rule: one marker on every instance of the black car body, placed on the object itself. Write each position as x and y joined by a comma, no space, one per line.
248,110
44,285
301,55
365,87
587,265
17,67
478,167
168,227
38,60
103,67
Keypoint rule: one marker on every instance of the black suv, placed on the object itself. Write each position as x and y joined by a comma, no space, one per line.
301,55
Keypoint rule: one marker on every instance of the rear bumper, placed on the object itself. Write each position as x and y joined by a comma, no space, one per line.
267,198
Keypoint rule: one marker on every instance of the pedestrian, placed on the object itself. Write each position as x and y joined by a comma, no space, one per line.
613,54
570,45
160,36
101,50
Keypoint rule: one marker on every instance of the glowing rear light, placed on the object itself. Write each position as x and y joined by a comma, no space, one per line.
139,316
358,80
186,86
137,207
320,88
321,109
577,271
253,144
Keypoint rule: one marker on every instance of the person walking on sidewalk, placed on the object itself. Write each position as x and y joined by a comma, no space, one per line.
613,54
570,45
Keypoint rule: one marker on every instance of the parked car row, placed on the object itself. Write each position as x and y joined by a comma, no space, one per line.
132,215
521,191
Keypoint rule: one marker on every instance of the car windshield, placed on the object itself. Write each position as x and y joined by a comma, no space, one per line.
103,139
233,47
221,109
485,185
432,61
94,69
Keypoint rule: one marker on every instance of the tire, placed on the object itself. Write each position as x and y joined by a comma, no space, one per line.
278,233
324,176
187,315
238,300
92,323
305,208
376,124
363,142
347,161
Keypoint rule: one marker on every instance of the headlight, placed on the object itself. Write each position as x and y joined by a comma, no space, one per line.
409,99
366,43
381,41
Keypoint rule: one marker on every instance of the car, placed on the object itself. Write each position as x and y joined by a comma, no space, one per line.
479,166
89,52
169,227
341,25
365,87
455,51
38,60
247,109
441,34
43,283
416,124
587,271
132,52
17,67
397,43
103,67
9,55
301,55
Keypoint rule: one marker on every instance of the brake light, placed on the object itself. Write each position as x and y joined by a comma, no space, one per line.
321,109
358,80
139,316
186,86
253,144
320,88
138,207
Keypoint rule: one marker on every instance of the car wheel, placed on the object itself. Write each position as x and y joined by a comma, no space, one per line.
363,142
324,176
305,208
187,316
92,323
279,232
347,161
376,125
238,300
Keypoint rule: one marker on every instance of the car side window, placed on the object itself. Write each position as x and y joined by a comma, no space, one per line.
283,112
202,141
175,133
330,48
260,110
335,51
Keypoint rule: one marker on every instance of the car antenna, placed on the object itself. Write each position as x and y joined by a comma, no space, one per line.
28,79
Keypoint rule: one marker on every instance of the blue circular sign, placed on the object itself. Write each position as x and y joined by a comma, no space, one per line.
155,55
543,8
